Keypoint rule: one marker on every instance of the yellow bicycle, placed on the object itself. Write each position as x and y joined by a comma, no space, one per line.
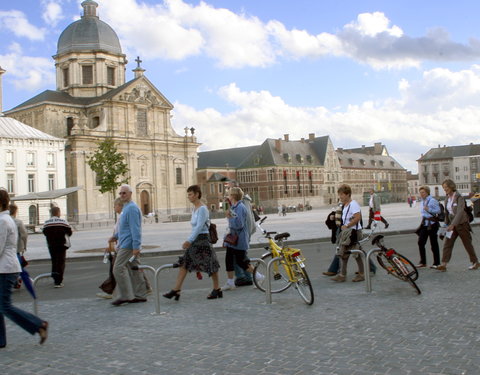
287,271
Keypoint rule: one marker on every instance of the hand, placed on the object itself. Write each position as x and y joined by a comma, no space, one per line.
450,228
343,227
136,252
112,239
186,245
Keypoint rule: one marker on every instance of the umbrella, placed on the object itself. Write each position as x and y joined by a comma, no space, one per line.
27,281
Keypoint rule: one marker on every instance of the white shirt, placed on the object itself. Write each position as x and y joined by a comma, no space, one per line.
349,211
8,244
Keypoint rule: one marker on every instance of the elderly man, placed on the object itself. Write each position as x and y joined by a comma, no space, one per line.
130,285
374,204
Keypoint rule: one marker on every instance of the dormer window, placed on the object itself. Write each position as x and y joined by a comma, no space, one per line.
287,157
362,161
392,163
350,161
299,158
374,163
310,159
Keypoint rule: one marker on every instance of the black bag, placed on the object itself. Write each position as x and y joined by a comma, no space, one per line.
441,215
469,211
212,233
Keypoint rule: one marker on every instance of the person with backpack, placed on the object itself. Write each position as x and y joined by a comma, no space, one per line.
458,225
430,211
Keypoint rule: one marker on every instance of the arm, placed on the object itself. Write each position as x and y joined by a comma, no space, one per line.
459,213
237,223
134,219
23,235
355,220
3,237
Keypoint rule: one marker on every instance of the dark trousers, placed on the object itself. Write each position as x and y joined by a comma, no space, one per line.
58,255
238,257
371,216
429,232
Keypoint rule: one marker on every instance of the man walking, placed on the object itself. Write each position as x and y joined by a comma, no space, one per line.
58,233
374,204
130,285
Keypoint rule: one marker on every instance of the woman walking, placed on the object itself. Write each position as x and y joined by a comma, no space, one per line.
199,255
9,271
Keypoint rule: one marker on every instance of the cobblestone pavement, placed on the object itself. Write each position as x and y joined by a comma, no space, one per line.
347,331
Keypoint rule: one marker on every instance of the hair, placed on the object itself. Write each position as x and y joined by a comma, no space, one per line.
450,184
345,189
4,199
236,192
128,187
195,189
55,211
13,209
118,202
426,188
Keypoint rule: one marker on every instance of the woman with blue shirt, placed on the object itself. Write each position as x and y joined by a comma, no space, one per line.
199,255
428,228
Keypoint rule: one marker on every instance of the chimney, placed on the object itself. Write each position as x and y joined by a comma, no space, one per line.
286,137
377,148
1,90
278,145
340,149
302,140
311,136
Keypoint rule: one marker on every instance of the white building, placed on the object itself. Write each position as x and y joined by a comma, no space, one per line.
30,162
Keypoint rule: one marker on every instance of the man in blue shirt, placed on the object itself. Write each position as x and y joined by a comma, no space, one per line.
130,283
428,228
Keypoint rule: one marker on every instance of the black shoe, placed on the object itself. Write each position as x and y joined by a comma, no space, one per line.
243,282
173,293
387,225
120,302
215,293
138,299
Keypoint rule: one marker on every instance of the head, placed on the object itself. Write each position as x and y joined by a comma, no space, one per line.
55,211
125,193
372,191
236,194
118,205
424,191
344,193
13,208
4,200
449,186
194,193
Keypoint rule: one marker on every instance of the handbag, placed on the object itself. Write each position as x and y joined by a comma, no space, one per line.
231,238
212,233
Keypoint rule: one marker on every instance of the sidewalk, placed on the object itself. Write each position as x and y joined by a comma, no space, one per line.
167,237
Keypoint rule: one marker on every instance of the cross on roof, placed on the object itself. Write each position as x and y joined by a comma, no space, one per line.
138,61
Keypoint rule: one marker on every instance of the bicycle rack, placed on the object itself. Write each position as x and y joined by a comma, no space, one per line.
268,287
368,283
35,280
156,285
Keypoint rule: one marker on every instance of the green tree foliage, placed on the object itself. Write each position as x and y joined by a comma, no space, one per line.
109,165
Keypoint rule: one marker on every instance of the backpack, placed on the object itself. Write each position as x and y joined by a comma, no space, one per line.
212,233
441,215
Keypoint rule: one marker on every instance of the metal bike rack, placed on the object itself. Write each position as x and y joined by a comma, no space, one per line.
268,287
368,284
156,285
35,280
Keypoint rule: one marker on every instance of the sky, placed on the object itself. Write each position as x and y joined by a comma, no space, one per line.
404,73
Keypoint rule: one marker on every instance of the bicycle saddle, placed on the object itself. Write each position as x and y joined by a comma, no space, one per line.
281,236
376,240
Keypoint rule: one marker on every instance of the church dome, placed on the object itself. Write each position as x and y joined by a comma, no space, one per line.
89,34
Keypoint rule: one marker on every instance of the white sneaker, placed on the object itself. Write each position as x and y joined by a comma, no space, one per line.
259,277
474,266
228,286
104,295
59,285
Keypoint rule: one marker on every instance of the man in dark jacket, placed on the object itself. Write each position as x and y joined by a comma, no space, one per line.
56,230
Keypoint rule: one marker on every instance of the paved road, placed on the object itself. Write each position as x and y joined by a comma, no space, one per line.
347,331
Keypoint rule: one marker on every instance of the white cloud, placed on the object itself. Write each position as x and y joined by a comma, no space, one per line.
27,72
52,12
258,115
17,23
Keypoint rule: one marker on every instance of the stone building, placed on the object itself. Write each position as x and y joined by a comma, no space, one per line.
92,101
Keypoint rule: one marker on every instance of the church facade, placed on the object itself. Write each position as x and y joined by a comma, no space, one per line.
91,102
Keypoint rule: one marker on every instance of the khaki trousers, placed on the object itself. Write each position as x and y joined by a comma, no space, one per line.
462,231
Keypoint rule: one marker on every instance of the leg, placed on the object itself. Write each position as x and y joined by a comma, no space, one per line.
434,244
422,240
370,218
3,333
215,280
344,264
120,271
334,265
384,221
448,248
61,256
54,259
182,274
138,282
229,263
466,237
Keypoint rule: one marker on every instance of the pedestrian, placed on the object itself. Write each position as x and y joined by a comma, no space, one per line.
351,232
22,238
428,228
458,225
130,283
9,271
374,206
199,255
58,232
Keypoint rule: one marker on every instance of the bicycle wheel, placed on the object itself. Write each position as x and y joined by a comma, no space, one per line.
303,284
389,265
385,263
278,275
414,285
409,266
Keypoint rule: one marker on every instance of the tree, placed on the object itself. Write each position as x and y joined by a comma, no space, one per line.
109,166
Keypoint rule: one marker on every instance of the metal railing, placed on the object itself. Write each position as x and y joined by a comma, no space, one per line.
268,287
368,280
35,281
156,285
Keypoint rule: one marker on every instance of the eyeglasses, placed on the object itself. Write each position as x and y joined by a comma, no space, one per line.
122,193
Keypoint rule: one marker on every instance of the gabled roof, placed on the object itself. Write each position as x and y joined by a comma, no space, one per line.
11,128
451,152
231,157
360,160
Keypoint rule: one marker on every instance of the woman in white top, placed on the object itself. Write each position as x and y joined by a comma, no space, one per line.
351,223
9,271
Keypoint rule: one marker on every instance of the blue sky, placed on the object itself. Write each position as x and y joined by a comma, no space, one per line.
404,73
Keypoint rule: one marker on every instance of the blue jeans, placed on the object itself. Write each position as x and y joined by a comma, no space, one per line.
24,319
335,265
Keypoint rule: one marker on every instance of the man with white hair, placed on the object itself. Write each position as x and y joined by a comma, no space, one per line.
130,285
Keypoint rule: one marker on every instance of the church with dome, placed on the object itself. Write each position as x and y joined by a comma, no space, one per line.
92,101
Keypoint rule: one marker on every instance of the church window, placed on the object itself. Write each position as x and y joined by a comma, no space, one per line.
110,76
178,175
66,81
87,74
69,125
95,122
142,122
